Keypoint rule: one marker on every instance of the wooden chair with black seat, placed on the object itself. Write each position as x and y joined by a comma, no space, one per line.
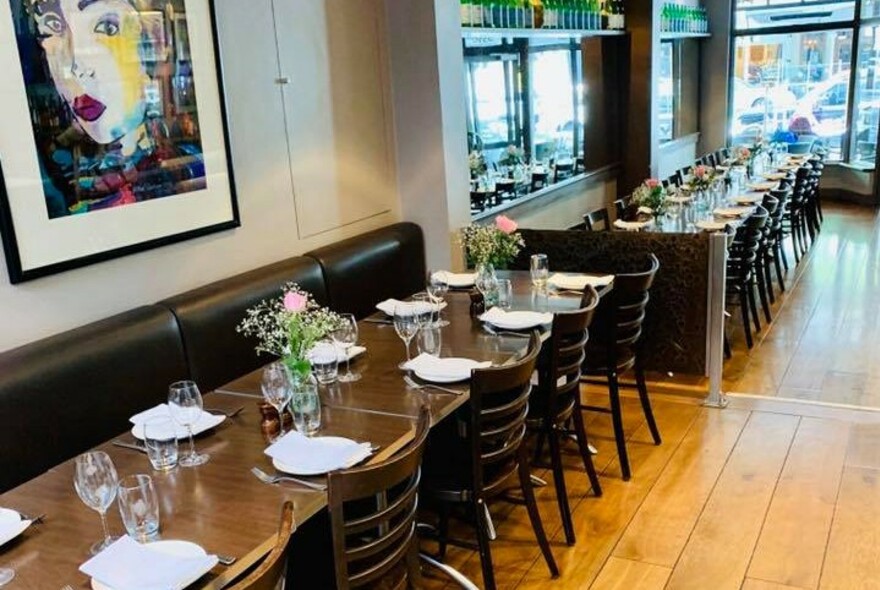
615,347
624,207
597,220
373,518
555,402
478,455
269,575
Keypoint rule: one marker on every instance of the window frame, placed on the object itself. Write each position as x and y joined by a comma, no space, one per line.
854,26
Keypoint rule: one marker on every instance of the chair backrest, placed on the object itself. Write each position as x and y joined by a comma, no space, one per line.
621,313
622,206
597,220
539,181
563,171
372,542
560,369
711,160
498,408
273,567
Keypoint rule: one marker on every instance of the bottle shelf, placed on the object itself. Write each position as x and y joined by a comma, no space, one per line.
483,32
667,36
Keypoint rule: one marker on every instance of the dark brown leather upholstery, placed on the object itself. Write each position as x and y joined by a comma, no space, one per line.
65,394
216,353
364,270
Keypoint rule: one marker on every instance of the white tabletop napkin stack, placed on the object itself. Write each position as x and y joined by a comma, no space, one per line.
516,320
456,280
578,282
128,565
632,225
387,307
315,454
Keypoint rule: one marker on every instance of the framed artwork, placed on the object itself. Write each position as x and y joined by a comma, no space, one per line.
115,137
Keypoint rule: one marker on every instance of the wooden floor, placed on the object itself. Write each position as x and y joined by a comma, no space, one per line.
768,494
764,495
823,342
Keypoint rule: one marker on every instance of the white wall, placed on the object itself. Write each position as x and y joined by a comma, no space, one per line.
335,52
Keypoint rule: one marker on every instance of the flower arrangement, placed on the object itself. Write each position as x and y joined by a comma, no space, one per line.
477,163
650,194
702,177
496,244
512,156
289,326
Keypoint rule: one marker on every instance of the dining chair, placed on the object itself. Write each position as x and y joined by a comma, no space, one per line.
783,194
373,518
478,455
623,207
271,571
597,220
711,160
742,255
539,181
614,348
555,402
769,204
795,215
563,171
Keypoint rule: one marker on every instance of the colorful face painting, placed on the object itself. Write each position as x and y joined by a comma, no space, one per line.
112,101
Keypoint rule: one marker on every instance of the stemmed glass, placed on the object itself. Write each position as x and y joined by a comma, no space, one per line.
276,391
346,336
6,575
539,267
437,287
185,406
406,324
96,481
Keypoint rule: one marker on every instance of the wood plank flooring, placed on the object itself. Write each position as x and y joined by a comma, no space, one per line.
765,495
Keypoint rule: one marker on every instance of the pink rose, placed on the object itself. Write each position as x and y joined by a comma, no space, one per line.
295,302
652,183
506,224
700,171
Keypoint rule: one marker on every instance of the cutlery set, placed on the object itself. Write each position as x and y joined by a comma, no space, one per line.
412,384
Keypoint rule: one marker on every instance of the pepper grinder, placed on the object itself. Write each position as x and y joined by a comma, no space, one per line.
478,304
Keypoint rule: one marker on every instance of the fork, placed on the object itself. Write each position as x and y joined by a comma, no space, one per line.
412,384
227,413
496,332
278,478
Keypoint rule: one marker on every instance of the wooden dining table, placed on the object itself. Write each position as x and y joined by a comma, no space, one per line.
221,505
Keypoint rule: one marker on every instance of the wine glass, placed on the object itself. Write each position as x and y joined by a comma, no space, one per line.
539,268
6,575
276,391
406,325
96,482
486,283
345,336
425,308
185,406
437,288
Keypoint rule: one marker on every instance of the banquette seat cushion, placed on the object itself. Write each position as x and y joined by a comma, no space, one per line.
369,268
64,395
216,353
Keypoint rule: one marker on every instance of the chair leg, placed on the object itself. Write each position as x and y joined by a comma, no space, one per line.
747,322
777,254
766,263
762,292
782,253
617,421
750,293
413,569
534,515
559,484
539,447
646,403
442,530
584,447
483,543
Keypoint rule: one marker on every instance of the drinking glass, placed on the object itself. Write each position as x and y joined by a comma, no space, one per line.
306,406
160,439
96,482
276,391
487,283
325,360
425,310
429,340
406,325
437,288
185,404
6,575
139,507
505,293
346,336
539,267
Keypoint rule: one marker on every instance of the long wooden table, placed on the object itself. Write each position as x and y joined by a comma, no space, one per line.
221,505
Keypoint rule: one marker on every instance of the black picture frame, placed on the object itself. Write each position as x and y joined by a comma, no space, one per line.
8,233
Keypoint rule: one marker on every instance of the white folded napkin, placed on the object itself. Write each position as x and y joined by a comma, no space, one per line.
748,198
206,421
315,454
11,525
645,210
775,176
711,225
456,280
578,282
732,211
516,320
387,306
762,186
128,565
341,356
632,225
430,367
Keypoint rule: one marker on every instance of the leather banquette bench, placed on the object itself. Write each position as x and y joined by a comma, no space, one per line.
65,394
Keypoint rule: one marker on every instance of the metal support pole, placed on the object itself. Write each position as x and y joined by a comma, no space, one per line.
715,320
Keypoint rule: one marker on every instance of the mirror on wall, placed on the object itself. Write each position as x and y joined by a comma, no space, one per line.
525,116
